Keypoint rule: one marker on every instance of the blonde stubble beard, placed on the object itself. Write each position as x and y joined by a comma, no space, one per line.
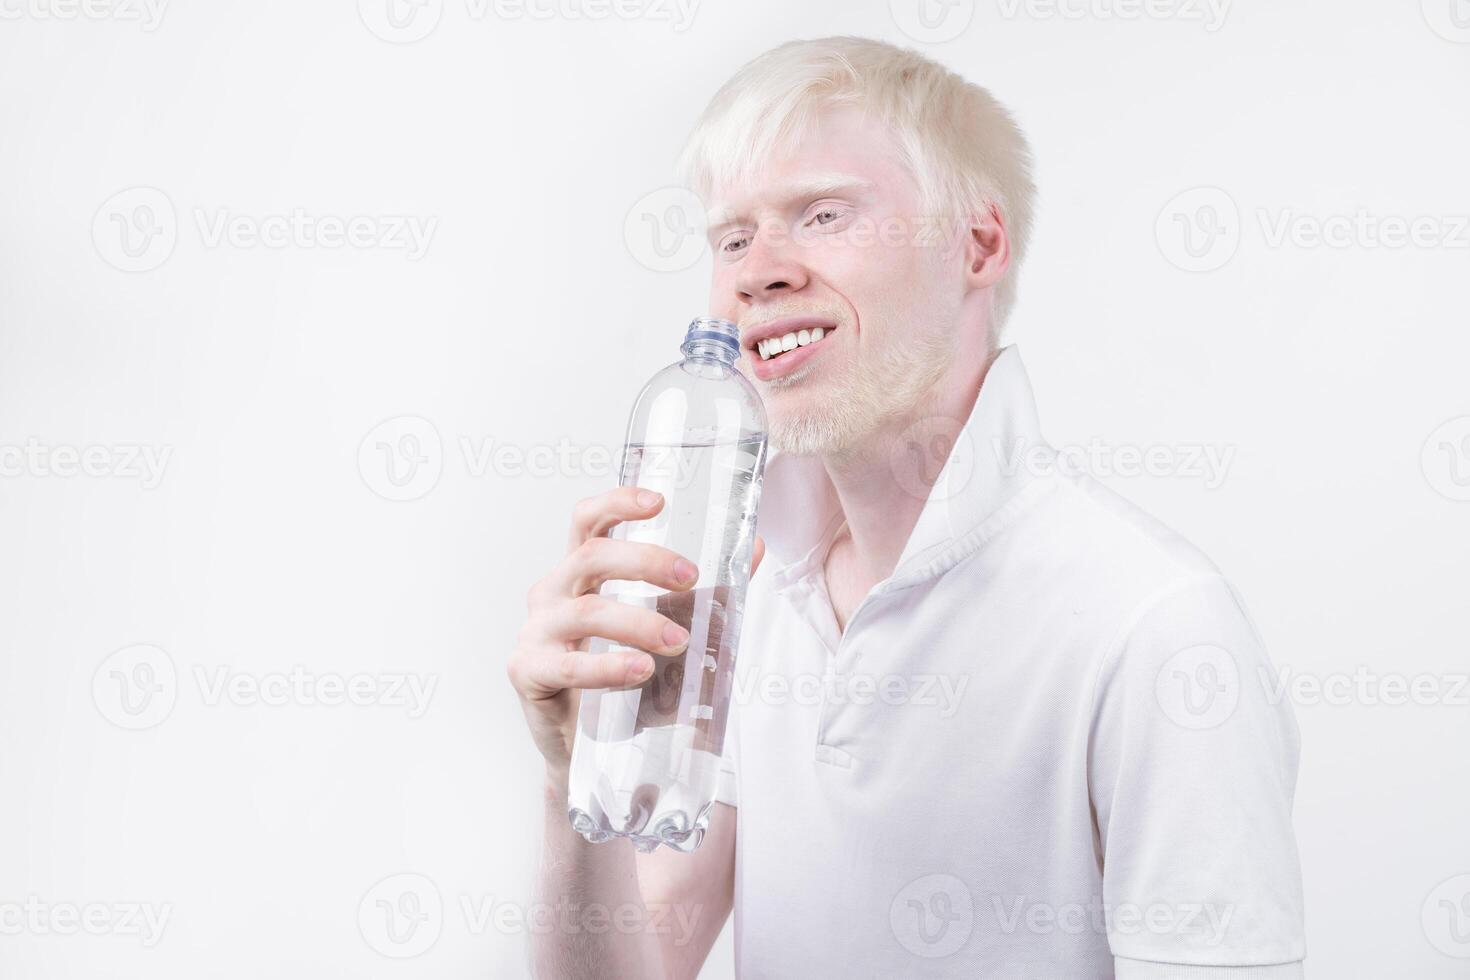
899,382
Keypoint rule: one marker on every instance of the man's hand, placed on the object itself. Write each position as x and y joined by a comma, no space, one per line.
549,666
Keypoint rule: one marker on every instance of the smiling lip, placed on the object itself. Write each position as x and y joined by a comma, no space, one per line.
785,325
786,363
792,359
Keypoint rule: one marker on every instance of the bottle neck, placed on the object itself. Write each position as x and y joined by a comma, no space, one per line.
711,338
710,350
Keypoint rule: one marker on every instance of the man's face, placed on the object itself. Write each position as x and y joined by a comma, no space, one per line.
831,239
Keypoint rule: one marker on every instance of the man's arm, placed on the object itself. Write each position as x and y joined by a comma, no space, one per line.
1192,769
652,916
693,893
601,926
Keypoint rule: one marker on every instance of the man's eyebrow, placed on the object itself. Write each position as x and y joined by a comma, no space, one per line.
721,217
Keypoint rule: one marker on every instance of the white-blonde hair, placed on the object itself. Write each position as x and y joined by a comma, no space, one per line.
962,147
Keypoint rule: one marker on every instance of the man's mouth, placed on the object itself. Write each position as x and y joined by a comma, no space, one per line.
778,347
774,347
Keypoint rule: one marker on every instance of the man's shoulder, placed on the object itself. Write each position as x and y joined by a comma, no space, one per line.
1106,550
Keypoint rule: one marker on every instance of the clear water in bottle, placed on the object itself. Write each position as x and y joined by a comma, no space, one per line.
646,758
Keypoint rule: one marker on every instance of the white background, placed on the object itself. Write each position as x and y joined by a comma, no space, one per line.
268,543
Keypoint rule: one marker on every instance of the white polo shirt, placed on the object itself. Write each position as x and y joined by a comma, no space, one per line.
1040,751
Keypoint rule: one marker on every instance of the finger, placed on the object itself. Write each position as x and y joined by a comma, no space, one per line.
572,620
597,560
538,675
760,552
593,516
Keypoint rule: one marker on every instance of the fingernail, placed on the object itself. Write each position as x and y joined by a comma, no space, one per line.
640,668
675,635
647,498
685,570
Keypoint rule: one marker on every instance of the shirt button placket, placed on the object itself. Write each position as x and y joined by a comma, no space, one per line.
823,618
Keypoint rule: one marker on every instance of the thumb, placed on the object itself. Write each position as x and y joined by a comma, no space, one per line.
760,552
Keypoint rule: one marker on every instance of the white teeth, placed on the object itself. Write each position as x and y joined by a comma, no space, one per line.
772,346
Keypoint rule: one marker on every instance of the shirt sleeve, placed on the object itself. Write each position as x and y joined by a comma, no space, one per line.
1192,769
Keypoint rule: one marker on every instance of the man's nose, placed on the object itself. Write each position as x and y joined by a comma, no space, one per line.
769,269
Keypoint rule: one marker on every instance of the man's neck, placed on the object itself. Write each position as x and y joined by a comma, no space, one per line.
882,487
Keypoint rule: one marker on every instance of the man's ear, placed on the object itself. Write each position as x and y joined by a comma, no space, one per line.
987,248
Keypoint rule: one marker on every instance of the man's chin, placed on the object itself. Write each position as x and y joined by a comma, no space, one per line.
806,431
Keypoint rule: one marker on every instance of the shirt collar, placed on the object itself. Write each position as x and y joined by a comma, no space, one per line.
799,511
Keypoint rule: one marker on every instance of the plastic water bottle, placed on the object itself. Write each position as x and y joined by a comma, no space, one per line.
646,758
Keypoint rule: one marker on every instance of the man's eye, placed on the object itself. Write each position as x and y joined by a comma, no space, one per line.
826,216
733,244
